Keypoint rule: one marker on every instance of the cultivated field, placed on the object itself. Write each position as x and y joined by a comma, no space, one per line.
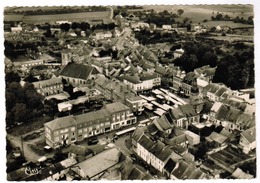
197,13
59,17
227,23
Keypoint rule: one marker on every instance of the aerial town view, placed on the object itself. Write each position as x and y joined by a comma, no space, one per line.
136,92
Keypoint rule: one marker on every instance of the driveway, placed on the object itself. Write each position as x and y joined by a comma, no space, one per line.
29,154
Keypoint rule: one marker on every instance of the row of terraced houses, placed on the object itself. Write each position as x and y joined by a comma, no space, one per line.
70,129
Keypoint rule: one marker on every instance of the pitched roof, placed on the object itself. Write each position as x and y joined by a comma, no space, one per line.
179,139
79,71
220,91
245,120
90,167
48,82
161,70
146,142
249,134
177,113
221,113
233,114
188,110
152,129
165,154
139,131
240,174
147,77
116,107
101,115
170,165
216,106
60,123
197,174
162,123
179,171
132,79
157,148
219,138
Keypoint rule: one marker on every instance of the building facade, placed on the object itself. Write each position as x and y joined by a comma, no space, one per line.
49,87
69,129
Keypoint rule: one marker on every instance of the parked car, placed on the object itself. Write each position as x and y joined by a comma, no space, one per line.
47,149
92,141
16,153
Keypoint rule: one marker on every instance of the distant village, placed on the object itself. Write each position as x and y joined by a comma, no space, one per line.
93,97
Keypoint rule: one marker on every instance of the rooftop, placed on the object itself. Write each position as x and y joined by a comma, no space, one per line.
90,167
116,107
48,82
80,71
249,134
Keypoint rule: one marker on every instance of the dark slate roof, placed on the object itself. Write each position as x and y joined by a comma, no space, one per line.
161,70
152,129
246,120
137,133
191,76
178,148
197,174
146,142
249,134
177,113
220,91
170,165
221,114
206,107
188,110
147,77
163,123
178,172
79,71
165,154
233,114
132,79
157,148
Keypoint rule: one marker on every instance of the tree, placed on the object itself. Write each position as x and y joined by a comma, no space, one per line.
180,12
209,58
65,27
84,26
12,77
193,62
20,112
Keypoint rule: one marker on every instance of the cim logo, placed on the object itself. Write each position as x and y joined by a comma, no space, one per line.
32,171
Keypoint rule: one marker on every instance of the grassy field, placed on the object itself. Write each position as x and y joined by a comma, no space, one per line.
197,13
58,17
227,23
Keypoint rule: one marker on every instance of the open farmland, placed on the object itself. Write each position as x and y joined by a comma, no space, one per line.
58,17
197,13
230,24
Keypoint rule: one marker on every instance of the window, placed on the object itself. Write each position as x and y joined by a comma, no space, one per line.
80,131
56,139
64,130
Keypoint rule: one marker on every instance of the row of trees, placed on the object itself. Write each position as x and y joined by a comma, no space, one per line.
220,17
22,103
